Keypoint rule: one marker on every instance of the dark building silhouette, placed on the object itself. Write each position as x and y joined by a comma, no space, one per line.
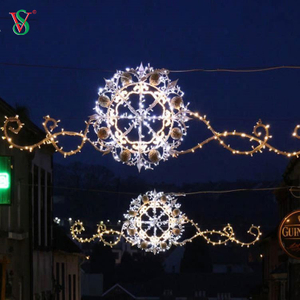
26,224
27,252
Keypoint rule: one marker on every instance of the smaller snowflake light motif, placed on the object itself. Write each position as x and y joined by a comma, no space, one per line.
154,222
140,117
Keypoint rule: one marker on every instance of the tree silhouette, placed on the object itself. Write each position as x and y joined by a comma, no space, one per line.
102,261
196,258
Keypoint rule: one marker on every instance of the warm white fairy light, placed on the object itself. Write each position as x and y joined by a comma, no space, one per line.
141,119
77,229
154,222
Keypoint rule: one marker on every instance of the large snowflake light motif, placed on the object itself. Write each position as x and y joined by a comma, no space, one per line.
154,222
140,117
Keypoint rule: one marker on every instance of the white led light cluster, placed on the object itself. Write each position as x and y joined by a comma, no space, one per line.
140,117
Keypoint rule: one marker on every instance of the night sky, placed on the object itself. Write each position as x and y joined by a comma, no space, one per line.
110,35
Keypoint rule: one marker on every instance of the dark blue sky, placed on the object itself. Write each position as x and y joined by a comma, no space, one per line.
168,34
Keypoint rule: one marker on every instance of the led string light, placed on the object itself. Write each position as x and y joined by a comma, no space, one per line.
126,123
262,142
51,138
155,223
229,236
77,228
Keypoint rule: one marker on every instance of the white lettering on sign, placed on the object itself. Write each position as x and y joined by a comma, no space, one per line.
4,180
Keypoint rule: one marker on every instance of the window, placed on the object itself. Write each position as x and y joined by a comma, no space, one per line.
74,287
199,294
63,283
1,273
19,205
57,282
70,286
43,209
224,296
229,269
36,206
168,292
49,210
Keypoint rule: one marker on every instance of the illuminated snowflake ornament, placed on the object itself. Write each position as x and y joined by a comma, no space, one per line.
154,222
140,117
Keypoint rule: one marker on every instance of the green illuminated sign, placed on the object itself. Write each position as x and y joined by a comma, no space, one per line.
5,180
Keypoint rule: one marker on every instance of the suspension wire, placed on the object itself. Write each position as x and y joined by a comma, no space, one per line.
290,188
239,70
250,70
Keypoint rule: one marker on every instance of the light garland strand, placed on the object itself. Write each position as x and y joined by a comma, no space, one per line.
51,138
77,228
155,223
141,119
262,142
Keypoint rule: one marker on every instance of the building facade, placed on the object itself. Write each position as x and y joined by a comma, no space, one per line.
26,257
67,259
